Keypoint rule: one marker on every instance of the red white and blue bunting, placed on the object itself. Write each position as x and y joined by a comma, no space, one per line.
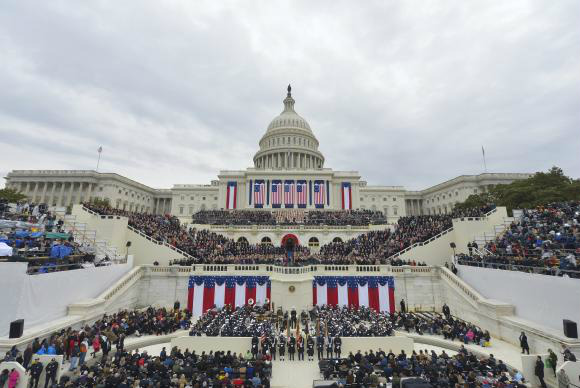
376,292
204,292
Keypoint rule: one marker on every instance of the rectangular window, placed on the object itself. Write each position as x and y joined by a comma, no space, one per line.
181,210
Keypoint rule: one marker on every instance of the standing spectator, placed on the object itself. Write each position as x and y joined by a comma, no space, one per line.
563,379
446,310
13,378
403,307
4,377
74,356
524,343
553,360
84,348
539,371
27,357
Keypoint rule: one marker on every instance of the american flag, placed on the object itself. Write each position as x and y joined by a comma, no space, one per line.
276,193
259,193
289,194
319,195
301,193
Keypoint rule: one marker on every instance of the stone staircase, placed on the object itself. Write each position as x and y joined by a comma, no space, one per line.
498,229
83,235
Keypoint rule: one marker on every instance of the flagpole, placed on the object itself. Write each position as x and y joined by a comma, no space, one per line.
484,163
99,150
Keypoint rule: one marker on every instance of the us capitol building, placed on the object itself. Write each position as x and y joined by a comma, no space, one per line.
288,173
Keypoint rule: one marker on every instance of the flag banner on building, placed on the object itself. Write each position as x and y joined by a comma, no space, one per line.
301,193
376,292
346,196
276,193
259,193
231,195
206,291
319,196
289,194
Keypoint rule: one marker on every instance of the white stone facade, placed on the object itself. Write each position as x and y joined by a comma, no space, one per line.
288,152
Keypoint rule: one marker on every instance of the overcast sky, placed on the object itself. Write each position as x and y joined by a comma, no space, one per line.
405,92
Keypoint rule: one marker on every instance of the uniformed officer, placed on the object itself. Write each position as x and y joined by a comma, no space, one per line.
328,347
291,347
51,370
35,372
300,348
273,346
320,346
337,346
310,348
255,342
282,347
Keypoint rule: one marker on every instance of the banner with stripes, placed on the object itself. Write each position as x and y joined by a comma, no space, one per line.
301,193
231,195
259,193
289,194
276,193
376,292
205,292
319,195
346,196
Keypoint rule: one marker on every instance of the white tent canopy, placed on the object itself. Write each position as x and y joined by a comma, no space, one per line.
5,249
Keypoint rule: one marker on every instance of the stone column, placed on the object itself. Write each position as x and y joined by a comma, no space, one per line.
42,199
70,194
59,203
52,194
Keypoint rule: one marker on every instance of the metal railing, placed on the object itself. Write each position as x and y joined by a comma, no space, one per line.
552,271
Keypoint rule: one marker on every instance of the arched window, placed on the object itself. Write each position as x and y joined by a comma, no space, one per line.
337,240
313,242
243,240
267,240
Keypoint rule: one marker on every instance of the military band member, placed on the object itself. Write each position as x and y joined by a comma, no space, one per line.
300,348
291,347
328,341
337,346
320,346
282,347
310,348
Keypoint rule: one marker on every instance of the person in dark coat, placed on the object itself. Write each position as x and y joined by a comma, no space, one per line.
27,356
35,372
403,307
328,347
320,347
51,370
282,347
337,346
310,348
539,371
524,343
446,310
291,347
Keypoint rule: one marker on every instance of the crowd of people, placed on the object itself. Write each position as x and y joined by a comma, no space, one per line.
545,240
207,247
465,369
289,217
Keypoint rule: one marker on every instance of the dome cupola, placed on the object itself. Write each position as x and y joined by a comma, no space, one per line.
289,142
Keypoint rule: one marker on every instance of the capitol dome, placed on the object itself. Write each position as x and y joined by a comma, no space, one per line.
289,142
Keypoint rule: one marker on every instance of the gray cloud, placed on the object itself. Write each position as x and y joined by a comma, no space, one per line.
404,92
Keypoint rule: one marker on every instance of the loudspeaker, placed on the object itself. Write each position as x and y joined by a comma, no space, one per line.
16,328
176,305
570,329
452,245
